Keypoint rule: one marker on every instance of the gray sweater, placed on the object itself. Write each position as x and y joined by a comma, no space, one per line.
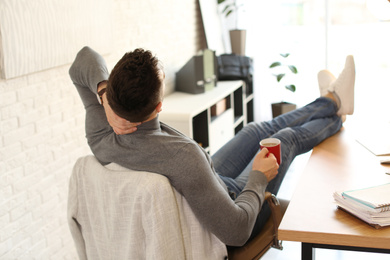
158,148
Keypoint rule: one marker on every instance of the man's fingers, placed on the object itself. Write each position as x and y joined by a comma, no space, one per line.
271,155
123,123
120,125
124,131
264,152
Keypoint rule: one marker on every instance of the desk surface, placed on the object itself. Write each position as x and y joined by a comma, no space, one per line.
338,163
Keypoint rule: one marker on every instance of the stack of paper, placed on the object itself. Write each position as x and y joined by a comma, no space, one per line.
371,205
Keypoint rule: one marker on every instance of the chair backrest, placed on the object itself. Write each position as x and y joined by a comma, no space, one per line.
117,213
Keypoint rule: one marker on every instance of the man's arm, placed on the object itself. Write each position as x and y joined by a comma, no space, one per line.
88,70
89,74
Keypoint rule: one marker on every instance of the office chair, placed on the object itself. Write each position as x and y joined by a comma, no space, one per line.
117,213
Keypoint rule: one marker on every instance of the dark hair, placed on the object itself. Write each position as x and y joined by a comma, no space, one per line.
134,87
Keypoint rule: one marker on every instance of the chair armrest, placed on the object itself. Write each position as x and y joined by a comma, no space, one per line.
268,236
277,214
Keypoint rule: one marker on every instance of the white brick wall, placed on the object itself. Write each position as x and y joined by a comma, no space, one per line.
42,127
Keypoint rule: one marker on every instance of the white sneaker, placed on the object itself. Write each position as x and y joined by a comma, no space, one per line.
325,77
344,87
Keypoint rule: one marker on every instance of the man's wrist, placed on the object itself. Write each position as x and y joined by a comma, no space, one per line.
101,89
100,94
101,85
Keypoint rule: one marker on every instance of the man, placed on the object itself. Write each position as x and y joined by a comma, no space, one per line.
226,192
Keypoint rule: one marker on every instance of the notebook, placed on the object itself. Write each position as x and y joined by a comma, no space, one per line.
372,205
377,197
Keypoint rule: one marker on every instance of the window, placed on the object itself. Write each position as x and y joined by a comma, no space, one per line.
318,34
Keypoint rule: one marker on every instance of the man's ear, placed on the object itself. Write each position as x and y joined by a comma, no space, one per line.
159,107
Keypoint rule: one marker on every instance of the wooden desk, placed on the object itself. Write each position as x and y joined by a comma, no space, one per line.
312,217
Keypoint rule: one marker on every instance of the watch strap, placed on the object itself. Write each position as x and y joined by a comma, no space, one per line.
100,94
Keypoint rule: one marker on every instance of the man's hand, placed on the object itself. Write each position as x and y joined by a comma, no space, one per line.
119,125
266,163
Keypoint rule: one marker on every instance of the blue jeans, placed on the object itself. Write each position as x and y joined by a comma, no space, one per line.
299,131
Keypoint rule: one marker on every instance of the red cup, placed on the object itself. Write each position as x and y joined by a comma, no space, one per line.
273,146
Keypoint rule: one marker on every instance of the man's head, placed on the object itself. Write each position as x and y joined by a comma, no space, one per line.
136,85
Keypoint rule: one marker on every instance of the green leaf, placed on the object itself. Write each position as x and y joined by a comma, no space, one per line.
293,69
227,14
285,55
275,64
221,1
224,9
279,77
292,88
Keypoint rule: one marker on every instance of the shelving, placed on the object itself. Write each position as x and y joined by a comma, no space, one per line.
211,118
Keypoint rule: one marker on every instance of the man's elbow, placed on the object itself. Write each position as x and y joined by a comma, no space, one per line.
75,67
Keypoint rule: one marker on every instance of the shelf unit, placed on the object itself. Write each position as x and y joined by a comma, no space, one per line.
200,117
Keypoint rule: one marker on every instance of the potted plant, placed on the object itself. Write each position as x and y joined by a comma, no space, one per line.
282,70
237,36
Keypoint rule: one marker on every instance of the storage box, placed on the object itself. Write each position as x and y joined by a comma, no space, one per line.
218,108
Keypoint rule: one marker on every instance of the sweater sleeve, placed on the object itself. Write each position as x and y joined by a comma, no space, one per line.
86,72
88,69
232,221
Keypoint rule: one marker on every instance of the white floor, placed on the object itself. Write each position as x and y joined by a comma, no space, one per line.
292,251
